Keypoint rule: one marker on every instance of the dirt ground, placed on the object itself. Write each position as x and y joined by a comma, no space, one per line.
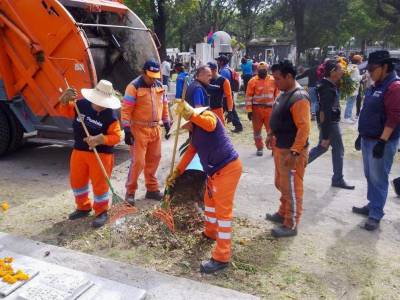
331,258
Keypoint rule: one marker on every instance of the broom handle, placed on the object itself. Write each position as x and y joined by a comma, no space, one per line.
177,131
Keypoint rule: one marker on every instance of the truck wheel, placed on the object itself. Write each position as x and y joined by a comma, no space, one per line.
16,132
4,133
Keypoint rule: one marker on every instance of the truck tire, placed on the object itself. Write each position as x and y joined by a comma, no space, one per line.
16,132
4,133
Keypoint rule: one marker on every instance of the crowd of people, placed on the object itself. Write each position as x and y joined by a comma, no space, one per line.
274,101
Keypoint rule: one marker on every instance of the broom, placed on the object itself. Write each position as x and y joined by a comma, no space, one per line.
164,213
119,207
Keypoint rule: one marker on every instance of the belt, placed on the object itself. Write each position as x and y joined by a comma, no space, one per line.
146,123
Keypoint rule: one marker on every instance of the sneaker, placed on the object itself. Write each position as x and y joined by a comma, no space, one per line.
78,214
348,121
276,218
212,266
371,224
343,185
100,220
259,152
237,130
156,195
283,231
130,198
361,210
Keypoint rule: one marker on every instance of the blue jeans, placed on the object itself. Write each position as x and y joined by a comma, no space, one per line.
377,173
312,91
336,143
348,112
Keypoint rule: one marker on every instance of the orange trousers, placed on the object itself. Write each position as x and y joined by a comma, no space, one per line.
261,116
218,201
84,167
145,155
290,184
220,114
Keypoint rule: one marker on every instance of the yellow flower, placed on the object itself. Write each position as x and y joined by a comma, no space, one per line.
5,206
9,279
21,275
8,260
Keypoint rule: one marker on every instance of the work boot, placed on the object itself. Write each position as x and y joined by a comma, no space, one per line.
361,210
237,130
157,195
100,220
78,214
276,218
130,198
343,185
212,266
259,152
371,224
283,231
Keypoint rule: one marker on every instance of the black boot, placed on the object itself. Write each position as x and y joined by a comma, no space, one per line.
361,210
343,185
282,231
276,218
100,220
259,152
237,130
157,195
371,224
212,266
78,214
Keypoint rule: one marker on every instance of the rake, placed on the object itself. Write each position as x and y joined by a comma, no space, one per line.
164,213
119,206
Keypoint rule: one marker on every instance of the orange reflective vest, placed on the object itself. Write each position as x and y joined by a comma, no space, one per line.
261,92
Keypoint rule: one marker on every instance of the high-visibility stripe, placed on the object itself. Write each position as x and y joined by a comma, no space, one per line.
209,209
210,219
225,224
293,200
81,191
101,198
224,235
130,99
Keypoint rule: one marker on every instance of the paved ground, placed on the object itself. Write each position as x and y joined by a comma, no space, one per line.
332,257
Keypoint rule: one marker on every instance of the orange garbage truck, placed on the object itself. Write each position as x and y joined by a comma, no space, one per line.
47,45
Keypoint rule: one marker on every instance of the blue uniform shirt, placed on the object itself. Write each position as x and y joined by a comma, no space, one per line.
225,72
247,68
180,81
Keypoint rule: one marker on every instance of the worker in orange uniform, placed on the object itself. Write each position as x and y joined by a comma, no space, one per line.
97,110
223,167
219,88
260,96
144,105
290,127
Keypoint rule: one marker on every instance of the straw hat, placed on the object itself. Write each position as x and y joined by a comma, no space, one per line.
175,117
102,95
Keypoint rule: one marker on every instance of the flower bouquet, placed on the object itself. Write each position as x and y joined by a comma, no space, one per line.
347,85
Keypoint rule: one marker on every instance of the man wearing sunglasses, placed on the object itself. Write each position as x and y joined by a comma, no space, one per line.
379,134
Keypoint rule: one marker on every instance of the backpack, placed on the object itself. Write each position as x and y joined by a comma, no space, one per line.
235,81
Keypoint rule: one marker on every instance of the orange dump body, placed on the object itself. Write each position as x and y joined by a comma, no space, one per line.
48,44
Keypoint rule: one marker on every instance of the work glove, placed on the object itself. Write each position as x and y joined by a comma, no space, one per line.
229,117
250,116
129,139
379,149
183,108
94,141
167,127
172,178
357,143
68,95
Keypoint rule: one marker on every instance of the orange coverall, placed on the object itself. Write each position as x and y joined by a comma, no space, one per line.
143,108
219,195
290,182
84,167
229,101
260,97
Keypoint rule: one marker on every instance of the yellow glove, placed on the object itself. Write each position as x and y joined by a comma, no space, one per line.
183,108
68,95
94,141
172,178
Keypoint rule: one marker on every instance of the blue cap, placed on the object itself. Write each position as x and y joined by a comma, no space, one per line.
212,65
152,68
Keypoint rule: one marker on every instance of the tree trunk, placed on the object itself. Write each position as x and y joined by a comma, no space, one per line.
160,25
298,9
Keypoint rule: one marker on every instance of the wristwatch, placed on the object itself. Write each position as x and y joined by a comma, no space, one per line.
294,153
